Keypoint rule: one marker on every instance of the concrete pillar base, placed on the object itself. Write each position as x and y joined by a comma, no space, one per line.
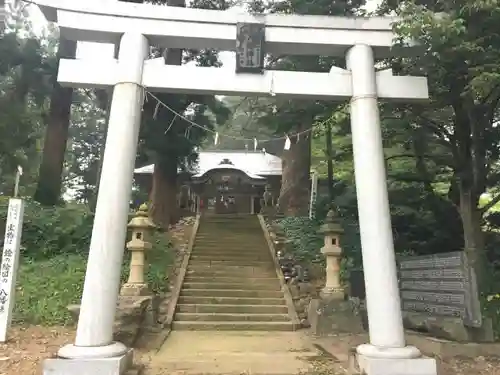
115,349
395,366
373,351
116,365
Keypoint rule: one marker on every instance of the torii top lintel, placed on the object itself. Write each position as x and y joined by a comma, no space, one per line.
199,28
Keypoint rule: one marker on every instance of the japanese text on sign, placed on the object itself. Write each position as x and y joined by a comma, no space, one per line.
8,266
249,48
440,285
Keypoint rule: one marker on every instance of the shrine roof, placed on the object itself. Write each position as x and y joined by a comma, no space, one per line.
253,163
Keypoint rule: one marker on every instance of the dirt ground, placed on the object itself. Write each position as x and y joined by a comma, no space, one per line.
28,346
338,347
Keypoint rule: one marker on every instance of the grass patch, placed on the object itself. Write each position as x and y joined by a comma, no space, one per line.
46,287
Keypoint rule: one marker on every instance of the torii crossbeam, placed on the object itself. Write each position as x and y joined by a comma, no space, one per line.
194,28
135,27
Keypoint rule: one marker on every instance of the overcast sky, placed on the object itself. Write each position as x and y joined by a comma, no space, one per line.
89,50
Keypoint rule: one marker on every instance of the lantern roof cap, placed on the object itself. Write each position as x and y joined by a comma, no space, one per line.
141,218
332,224
143,210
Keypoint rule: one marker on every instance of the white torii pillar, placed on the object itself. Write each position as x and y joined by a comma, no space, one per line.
387,352
94,336
387,338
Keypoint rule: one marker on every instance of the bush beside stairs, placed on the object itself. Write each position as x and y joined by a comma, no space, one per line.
231,281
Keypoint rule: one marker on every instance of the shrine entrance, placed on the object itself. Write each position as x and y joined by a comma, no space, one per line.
136,27
228,191
226,204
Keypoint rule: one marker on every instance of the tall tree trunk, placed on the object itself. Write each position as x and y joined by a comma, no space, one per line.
473,234
56,136
296,163
476,253
164,210
164,192
329,155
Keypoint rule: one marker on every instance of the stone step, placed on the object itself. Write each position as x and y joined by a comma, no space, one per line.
245,293
237,353
221,246
228,220
231,280
233,326
208,217
230,300
231,271
231,234
244,274
233,222
224,248
198,254
224,226
232,257
238,253
229,229
232,309
242,317
237,238
274,285
231,249
221,242
201,253
230,262
243,363
237,266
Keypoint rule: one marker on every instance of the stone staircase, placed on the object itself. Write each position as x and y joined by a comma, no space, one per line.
231,281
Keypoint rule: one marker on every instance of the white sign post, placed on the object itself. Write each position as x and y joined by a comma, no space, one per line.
10,262
314,193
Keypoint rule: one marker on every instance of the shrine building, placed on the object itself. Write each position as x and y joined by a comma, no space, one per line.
224,182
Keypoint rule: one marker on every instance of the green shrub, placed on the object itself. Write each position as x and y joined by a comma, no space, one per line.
54,257
46,287
51,231
306,242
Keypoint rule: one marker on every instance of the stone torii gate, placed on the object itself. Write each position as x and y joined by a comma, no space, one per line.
134,27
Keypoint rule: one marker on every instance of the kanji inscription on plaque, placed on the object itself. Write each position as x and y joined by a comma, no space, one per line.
250,40
440,285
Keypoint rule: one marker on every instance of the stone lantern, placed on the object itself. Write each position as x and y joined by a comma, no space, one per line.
141,228
332,230
331,313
